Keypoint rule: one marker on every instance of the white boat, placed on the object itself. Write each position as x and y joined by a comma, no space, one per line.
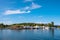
47,28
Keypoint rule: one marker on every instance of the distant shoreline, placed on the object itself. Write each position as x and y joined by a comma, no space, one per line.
28,26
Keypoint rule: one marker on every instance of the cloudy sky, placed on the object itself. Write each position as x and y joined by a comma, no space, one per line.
35,11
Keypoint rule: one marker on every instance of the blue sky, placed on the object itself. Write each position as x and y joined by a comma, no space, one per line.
35,11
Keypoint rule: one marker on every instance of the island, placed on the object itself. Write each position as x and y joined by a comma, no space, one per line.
27,26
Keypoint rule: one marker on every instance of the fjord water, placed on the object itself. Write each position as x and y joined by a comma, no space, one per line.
30,34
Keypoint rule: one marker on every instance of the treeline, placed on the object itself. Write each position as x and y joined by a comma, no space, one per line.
27,24
34,24
2,26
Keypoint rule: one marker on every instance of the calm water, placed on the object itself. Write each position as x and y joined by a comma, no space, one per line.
40,34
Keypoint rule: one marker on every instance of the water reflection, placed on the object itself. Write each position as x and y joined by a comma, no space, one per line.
51,31
33,34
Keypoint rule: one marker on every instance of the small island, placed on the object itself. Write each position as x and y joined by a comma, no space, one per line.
28,26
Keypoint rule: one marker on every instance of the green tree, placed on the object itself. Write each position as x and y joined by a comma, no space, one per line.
52,24
1,25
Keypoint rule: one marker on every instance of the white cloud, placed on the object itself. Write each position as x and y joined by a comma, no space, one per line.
15,12
32,6
26,9
35,6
